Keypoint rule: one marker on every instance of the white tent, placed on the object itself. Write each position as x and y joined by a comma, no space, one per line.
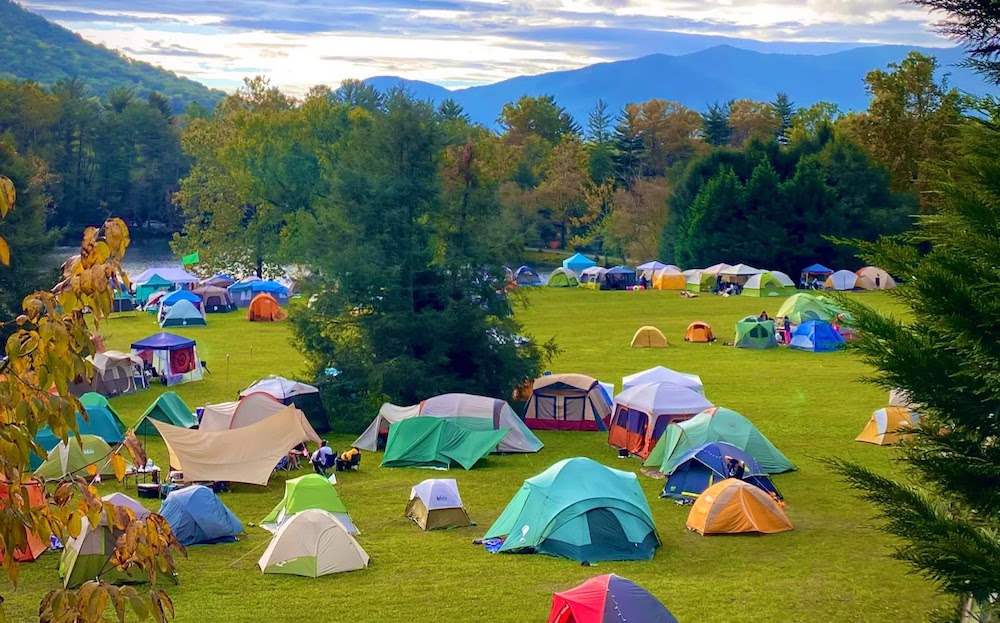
656,399
280,388
246,411
841,280
659,374
783,278
120,499
311,544
485,412
649,268
739,270
715,269
435,504
438,493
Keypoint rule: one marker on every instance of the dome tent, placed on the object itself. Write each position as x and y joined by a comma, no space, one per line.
888,426
183,314
436,505
756,334
765,284
311,544
311,491
169,408
101,421
699,332
525,276
878,277
734,507
817,337
608,599
198,517
804,307
73,459
702,467
563,278
649,337
265,308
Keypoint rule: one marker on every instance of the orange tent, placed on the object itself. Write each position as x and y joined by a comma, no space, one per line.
734,506
36,498
263,308
699,331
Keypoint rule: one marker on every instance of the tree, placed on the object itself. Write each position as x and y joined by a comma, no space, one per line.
670,134
805,123
973,25
600,142
636,219
752,120
358,94
563,192
629,148
715,125
536,116
785,110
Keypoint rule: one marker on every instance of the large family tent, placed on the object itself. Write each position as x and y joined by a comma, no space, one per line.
736,507
889,425
169,408
198,517
304,396
265,308
246,411
878,277
643,412
765,284
466,410
174,358
101,420
436,505
309,492
804,307
183,314
567,402
816,336
702,467
846,280
700,281
669,279
563,278
73,459
756,334
578,262
590,277
313,543
436,443
245,291
246,454
115,373
89,555
34,493
215,299
526,276
716,424
581,510
659,374
617,278
649,337
699,332
608,599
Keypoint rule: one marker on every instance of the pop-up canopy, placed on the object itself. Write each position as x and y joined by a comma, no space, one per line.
174,358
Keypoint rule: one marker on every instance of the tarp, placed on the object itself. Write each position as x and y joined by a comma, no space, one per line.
608,599
659,374
313,543
246,411
567,402
734,507
437,443
169,408
246,454
311,491
198,517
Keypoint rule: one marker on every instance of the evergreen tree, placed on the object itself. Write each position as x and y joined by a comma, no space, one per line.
629,150
451,110
973,24
785,110
600,137
716,128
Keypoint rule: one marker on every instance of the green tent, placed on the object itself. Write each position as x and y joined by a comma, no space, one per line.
305,493
433,442
715,424
169,408
804,307
563,278
102,421
765,284
756,334
582,510
71,459
88,557
700,282
155,283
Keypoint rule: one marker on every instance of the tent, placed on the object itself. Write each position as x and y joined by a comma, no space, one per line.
567,402
716,269
175,275
246,411
152,285
901,398
878,278
264,308
617,278
700,281
648,270
183,314
437,443
578,262
841,280
581,510
590,277
115,373
816,270
152,303
466,410
659,374
436,505
716,424
311,544
649,337
123,302
643,412
803,307
245,291
215,299
563,278
72,459
739,273
765,284
525,276
699,332
701,467
304,396
32,492
219,280
246,454
88,556
816,336
309,492
198,517
735,507
174,358
177,296
756,334
608,599
668,279
101,421
168,407
888,426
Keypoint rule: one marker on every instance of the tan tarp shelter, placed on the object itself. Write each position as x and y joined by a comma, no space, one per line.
246,411
115,373
246,454
649,337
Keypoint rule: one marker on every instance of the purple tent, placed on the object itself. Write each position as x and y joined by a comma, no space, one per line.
163,341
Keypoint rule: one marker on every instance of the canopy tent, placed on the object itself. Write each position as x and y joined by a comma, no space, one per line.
183,314
115,373
659,374
756,334
817,337
246,411
436,505
643,412
174,358
701,467
245,291
437,443
168,407
525,276
713,425
265,308
198,517
877,277
581,510
842,280
617,278
101,420
804,307
700,281
219,280
765,284
608,599
313,543
889,425
246,454
144,290
215,299
563,278
466,410
71,459
304,396
669,279
735,507
33,492
567,402
649,337
816,270
89,555
699,332
309,492
578,262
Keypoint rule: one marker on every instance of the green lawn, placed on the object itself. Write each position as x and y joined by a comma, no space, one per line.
833,567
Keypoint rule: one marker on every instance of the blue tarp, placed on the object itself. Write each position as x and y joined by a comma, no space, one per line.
817,337
197,516
163,341
817,269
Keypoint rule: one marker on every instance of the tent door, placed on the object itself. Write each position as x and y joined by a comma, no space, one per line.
574,408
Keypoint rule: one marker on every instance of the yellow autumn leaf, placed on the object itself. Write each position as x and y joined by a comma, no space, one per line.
92,469
4,252
118,463
7,196
74,525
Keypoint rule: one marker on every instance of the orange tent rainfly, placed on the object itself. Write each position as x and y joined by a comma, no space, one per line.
700,332
264,308
734,506
649,337
33,548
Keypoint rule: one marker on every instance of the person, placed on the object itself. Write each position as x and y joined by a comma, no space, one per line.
735,468
787,325
763,317
296,454
346,458
322,458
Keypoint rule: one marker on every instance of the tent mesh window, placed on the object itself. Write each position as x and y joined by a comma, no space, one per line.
574,408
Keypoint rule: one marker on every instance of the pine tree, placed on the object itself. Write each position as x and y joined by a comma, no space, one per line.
973,24
629,149
600,142
716,128
785,109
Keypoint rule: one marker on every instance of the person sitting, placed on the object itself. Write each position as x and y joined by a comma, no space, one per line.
322,459
295,455
763,317
348,459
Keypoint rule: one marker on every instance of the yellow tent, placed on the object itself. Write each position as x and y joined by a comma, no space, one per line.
888,426
734,506
649,337
664,279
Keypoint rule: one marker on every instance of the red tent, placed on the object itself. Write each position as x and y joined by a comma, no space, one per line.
608,599
36,498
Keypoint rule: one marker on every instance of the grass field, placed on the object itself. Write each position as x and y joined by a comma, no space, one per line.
834,567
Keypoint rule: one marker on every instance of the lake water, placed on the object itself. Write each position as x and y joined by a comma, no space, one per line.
142,254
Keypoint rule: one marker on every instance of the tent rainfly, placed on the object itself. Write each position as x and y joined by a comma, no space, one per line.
436,443
313,543
659,374
183,314
734,507
436,505
608,599
311,491
198,517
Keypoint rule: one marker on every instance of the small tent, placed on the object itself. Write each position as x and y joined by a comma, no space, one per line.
608,599
174,358
245,291
649,337
563,278
304,396
215,299
170,408
311,491
183,314
765,284
804,307
669,279
246,411
115,373
567,402
756,334
841,280
699,332
700,281
72,459
198,517
888,426
436,443
878,278
101,420
313,543
581,510
643,412
32,492
817,337
436,505
659,374
264,308
735,507
702,467
578,262
526,276
89,555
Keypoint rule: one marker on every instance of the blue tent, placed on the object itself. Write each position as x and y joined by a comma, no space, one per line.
198,516
244,291
183,314
816,269
526,276
700,468
102,421
180,295
817,337
578,262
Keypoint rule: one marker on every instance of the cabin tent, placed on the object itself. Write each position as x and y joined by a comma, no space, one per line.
436,505
215,299
764,284
436,443
590,277
264,308
246,411
700,281
466,410
878,278
563,278
889,425
701,467
313,543
715,424
581,510
608,599
152,285
578,262
88,556
643,412
309,492
735,507
304,396
245,291
817,337
659,374
756,334
803,307
841,280
182,314
168,407
34,493
173,357
669,279
198,517
649,337
101,421
115,373
699,332
70,459
567,402
617,278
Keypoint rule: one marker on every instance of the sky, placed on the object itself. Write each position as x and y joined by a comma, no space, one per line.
456,43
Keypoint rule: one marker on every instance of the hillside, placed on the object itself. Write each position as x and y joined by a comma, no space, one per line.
32,48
